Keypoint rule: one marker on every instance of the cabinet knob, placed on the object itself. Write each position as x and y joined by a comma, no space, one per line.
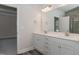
46,38
37,39
46,42
59,46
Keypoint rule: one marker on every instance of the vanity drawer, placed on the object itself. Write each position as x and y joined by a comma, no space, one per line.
64,42
69,43
59,46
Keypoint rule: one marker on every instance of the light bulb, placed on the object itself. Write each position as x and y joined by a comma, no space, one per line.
48,8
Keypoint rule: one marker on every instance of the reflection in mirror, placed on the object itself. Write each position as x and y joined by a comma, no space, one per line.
74,20
62,19
56,24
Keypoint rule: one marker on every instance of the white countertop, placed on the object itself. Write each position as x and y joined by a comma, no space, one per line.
62,35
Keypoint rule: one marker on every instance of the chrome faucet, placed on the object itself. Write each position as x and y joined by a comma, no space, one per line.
66,33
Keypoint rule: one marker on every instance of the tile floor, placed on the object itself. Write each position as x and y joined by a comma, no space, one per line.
32,52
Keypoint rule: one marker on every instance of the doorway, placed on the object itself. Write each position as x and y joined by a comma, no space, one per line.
8,30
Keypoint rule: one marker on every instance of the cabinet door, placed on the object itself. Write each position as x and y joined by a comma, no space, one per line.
66,49
46,45
54,46
69,47
39,43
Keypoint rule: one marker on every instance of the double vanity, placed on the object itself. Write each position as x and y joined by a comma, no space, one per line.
56,43
60,31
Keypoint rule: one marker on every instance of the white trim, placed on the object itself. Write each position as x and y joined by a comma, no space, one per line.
24,50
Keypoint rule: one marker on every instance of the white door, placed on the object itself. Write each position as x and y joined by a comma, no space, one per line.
64,24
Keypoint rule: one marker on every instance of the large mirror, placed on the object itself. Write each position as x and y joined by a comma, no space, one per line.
62,18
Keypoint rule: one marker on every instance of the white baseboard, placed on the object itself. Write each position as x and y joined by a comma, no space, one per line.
24,50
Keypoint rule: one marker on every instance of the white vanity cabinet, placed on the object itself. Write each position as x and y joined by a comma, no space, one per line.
69,47
40,42
61,47
55,46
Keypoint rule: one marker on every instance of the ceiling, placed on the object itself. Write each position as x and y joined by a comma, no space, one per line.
68,7
62,7
53,5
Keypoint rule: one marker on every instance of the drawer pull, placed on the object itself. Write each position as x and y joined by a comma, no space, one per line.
59,46
46,38
46,42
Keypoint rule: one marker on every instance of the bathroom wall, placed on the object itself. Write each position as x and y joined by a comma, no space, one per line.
28,21
26,18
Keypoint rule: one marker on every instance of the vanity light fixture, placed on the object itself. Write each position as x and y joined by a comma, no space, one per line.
48,8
